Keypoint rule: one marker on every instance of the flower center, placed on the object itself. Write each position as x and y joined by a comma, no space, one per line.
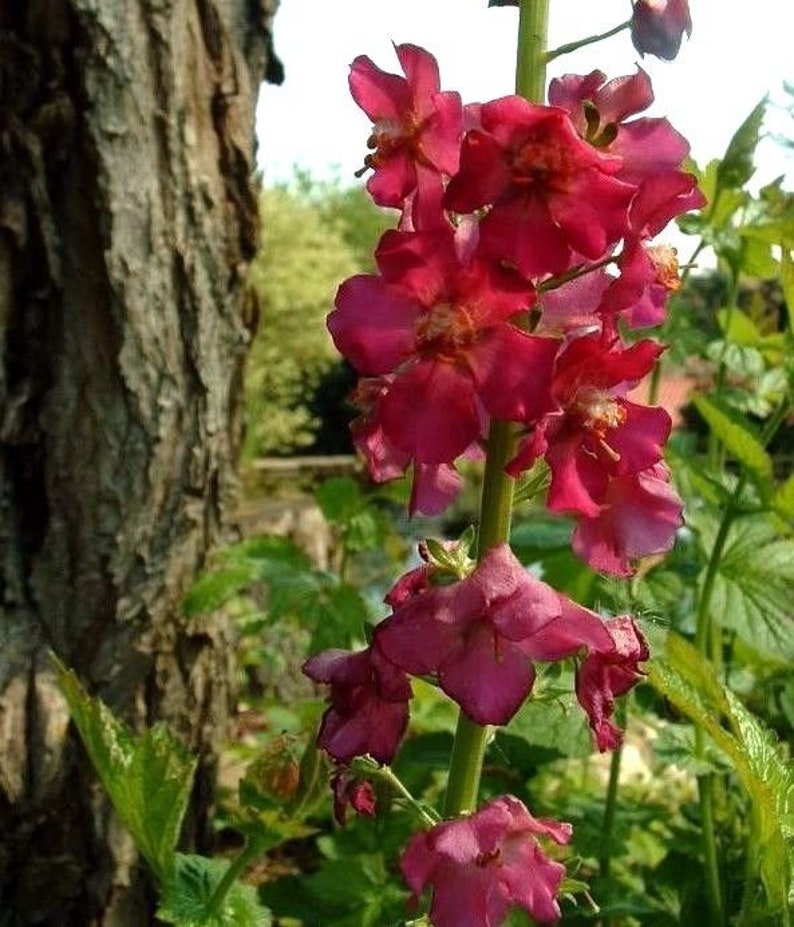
388,136
446,329
540,160
487,857
665,263
599,411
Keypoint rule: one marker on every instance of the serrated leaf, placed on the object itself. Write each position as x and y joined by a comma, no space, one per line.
754,587
148,778
736,167
556,724
736,435
187,894
691,685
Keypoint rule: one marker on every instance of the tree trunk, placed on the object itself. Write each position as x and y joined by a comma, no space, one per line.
127,218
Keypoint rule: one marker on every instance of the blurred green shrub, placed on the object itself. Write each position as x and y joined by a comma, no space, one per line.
315,234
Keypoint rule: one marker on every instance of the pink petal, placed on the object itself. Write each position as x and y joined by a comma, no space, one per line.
430,412
373,324
379,94
488,678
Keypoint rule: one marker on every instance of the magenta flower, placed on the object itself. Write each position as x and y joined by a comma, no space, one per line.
435,326
351,792
605,675
482,865
575,306
599,110
662,197
434,486
416,132
648,275
598,434
657,26
552,194
368,710
478,636
638,516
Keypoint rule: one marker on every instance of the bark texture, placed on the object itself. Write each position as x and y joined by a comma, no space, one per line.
127,218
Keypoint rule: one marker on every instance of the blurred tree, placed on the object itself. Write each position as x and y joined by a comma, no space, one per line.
127,218
316,234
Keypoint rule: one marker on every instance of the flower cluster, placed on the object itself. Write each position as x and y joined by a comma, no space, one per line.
493,300
514,290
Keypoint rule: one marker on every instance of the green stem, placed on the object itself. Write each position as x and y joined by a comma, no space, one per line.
656,373
533,27
590,40
238,866
386,774
714,445
713,886
610,808
496,506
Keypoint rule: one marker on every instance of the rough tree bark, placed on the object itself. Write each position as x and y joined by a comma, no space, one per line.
127,217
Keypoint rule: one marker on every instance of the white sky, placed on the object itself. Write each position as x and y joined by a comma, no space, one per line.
738,52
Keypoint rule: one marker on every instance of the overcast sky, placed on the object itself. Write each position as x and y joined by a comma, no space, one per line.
738,52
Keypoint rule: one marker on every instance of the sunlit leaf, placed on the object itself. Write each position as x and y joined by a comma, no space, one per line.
736,435
738,327
736,167
148,778
689,683
754,587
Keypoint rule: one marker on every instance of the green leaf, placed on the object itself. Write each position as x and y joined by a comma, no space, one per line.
783,500
239,567
339,498
738,327
337,615
736,167
187,894
212,590
690,684
754,587
736,435
148,778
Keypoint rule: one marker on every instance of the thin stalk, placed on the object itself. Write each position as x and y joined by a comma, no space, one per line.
713,883
715,446
238,866
582,43
656,373
610,809
387,775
